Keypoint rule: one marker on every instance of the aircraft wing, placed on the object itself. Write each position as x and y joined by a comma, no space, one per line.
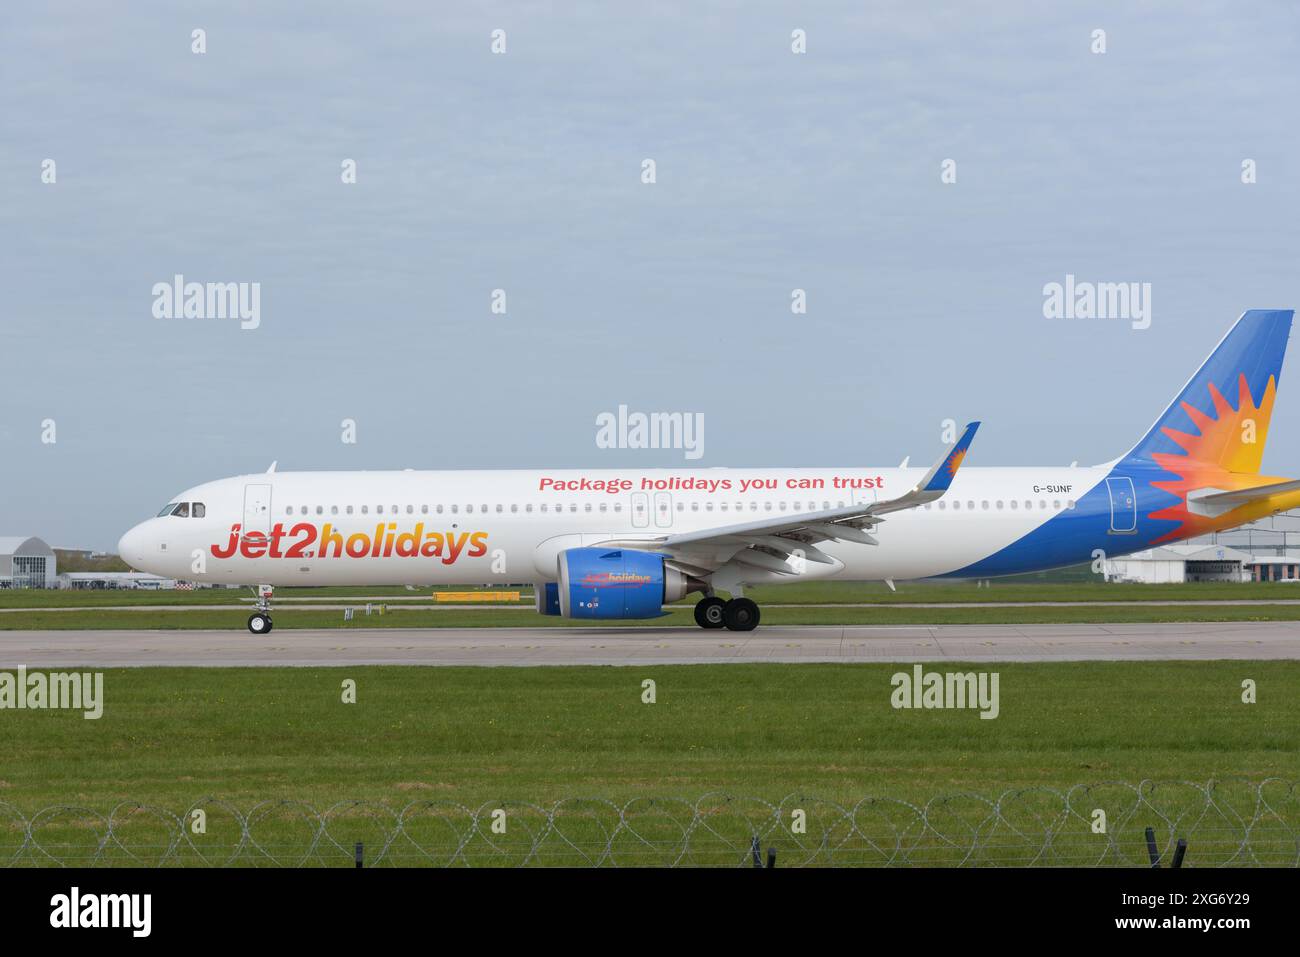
768,543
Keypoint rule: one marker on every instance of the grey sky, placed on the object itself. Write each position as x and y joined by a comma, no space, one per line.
521,171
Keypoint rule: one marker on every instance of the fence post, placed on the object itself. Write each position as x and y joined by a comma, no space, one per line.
1152,851
360,852
771,857
1179,851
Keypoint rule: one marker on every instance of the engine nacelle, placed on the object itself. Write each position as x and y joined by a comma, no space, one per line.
618,583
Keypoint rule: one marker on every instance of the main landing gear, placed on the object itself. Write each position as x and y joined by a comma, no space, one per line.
259,622
739,614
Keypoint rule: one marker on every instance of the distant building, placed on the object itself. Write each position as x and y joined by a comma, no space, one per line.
145,580
1275,568
99,580
1185,562
80,551
26,563
1276,535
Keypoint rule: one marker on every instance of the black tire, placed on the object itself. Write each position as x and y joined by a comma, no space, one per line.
259,624
709,612
740,614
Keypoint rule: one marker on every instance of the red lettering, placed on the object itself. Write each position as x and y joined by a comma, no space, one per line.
454,545
308,533
253,545
219,552
358,545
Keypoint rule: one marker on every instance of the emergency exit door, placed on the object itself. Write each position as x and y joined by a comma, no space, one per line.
663,510
257,509
1123,506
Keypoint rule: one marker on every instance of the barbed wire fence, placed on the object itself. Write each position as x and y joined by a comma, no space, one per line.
1225,824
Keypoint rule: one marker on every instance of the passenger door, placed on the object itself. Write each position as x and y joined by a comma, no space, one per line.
257,509
1123,506
640,510
663,510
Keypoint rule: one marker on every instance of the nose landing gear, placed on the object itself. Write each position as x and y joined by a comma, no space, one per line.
739,614
259,623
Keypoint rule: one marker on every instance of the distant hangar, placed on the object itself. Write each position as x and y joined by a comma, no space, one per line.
26,562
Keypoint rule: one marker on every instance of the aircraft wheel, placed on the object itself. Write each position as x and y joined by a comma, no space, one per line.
709,612
259,624
740,614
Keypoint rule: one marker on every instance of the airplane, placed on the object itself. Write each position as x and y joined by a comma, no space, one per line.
623,543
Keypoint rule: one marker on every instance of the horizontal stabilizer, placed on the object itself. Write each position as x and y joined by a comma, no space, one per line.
1214,501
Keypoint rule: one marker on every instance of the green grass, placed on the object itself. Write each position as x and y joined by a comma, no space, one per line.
811,593
84,597
438,737
170,735
402,616
1002,591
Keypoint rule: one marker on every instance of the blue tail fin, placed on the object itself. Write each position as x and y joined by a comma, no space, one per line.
1221,416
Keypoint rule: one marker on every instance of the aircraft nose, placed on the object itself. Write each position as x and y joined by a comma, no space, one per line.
130,547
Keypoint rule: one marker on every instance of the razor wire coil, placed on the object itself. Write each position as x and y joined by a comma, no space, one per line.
1226,824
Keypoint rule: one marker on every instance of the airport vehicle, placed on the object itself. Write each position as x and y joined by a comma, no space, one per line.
622,543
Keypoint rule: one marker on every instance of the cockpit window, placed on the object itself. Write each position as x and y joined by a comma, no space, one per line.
182,510
167,509
199,510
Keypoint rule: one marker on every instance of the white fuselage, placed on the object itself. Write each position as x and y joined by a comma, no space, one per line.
479,527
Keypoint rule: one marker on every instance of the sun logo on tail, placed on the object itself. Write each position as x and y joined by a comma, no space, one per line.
1225,453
